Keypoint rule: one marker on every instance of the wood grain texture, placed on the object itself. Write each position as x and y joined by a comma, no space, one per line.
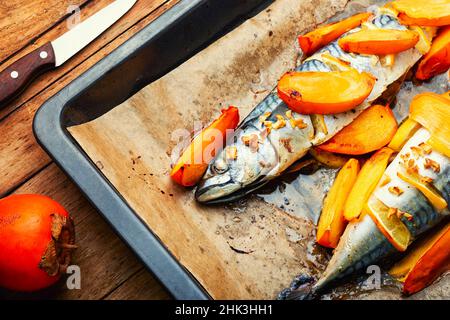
142,13
245,250
22,21
18,76
21,156
141,286
22,159
105,262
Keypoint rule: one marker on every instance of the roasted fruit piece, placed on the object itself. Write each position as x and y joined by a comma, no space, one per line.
332,222
328,159
314,40
432,111
370,131
423,12
425,261
365,183
403,134
325,92
193,162
379,42
437,60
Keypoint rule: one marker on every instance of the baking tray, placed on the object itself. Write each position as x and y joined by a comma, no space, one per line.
161,46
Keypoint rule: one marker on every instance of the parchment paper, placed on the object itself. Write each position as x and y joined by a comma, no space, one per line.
250,249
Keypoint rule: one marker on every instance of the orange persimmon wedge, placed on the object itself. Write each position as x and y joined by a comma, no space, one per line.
437,60
370,131
368,178
432,111
379,42
314,40
332,222
194,160
327,158
433,13
425,261
325,92
406,130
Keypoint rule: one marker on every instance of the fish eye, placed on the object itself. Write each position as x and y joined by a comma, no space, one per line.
220,166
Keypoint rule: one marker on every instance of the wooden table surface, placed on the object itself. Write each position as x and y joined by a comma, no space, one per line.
109,269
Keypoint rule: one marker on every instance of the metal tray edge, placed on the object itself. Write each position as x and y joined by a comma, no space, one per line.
51,135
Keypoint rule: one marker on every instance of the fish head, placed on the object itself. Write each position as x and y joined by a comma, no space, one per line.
238,168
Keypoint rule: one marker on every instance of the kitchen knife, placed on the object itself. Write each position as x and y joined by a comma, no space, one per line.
17,76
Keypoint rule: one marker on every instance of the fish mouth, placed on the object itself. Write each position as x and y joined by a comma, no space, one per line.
211,189
218,189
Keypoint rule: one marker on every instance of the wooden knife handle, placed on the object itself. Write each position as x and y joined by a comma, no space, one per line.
15,78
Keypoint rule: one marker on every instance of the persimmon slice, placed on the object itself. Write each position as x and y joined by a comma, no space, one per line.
368,178
406,130
193,162
437,60
370,131
328,159
325,92
425,260
314,40
432,111
379,42
423,12
332,222
431,264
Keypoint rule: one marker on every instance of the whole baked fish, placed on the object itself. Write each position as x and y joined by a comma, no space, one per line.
258,153
362,243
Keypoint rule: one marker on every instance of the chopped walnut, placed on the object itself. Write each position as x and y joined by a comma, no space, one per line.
425,147
298,123
411,167
280,122
251,141
395,190
398,213
417,152
405,157
408,216
431,164
289,114
268,125
424,179
264,117
391,212
231,153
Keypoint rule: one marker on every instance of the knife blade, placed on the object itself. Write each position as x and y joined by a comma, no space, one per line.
15,78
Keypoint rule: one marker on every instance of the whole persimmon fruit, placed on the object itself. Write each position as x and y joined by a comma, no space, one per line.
37,238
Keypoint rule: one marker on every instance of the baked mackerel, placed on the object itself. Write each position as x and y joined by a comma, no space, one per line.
362,243
252,166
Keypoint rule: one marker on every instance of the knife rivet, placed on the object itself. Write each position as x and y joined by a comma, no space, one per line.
43,54
14,74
